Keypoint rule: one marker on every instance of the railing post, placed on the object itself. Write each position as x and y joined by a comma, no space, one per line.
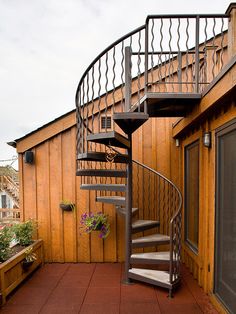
128,216
197,69
231,11
128,79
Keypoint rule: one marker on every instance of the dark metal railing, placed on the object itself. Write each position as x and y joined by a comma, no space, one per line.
169,54
157,198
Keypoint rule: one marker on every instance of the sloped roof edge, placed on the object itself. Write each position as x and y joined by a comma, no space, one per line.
45,132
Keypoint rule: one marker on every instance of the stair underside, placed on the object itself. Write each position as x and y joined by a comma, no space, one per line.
168,104
154,277
112,138
116,200
151,240
142,225
100,156
151,258
104,187
101,173
122,210
130,121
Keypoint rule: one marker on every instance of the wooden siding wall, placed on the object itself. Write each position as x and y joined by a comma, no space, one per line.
202,264
52,178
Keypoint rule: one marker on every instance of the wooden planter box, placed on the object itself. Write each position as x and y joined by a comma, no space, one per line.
12,272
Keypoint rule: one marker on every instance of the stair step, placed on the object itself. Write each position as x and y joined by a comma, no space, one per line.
101,156
151,258
112,138
101,173
174,104
117,200
141,225
154,277
104,187
122,210
151,240
130,121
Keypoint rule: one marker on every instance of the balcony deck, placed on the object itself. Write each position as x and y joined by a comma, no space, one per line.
96,288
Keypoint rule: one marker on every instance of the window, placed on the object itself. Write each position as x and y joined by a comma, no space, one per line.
106,122
4,201
192,195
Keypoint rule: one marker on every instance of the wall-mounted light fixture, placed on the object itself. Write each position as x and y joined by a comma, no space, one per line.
207,139
177,143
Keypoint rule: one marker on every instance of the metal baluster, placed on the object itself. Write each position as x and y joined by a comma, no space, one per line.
187,49
214,49
139,71
113,85
99,95
222,45
152,51
197,69
122,77
179,59
106,89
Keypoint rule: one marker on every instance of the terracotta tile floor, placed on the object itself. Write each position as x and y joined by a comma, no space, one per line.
96,288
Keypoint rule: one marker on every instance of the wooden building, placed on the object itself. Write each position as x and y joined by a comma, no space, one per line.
195,151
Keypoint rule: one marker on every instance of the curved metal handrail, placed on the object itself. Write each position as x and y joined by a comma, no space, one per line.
174,226
104,52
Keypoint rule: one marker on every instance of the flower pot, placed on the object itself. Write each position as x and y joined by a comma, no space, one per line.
67,207
99,227
26,265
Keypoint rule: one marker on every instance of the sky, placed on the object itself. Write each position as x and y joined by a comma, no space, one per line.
46,45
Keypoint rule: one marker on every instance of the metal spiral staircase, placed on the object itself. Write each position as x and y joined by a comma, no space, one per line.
160,69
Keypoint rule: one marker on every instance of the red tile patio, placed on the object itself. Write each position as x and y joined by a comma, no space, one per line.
96,288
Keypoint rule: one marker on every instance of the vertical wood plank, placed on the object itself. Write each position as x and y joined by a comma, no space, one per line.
68,193
29,183
21,187
43,197
55,198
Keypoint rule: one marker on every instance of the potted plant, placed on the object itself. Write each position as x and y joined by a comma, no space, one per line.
96,222
6,235
20,255
67,205
24,232
29,259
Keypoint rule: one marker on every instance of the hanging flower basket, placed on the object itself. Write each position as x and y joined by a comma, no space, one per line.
96,222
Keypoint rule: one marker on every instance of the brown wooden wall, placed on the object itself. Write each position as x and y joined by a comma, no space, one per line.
201,264
52,178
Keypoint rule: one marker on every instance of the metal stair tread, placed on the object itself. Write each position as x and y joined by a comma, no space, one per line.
102,173
104,187
151,257
101,156
141,225
151,240
111,138
167,104
117,200
157,277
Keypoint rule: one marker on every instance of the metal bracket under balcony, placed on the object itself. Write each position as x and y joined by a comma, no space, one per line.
130,121
168,104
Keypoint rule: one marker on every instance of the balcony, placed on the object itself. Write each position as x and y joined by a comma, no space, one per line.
96,288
